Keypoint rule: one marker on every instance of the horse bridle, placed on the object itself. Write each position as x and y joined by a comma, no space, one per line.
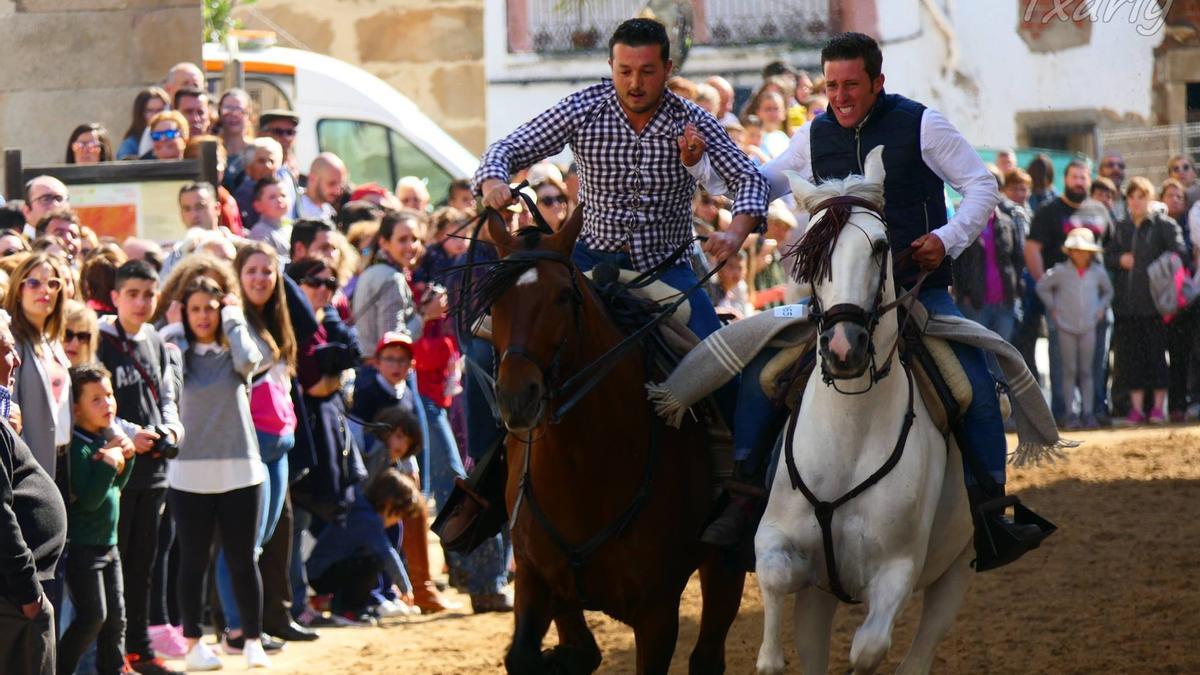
550,372
852,313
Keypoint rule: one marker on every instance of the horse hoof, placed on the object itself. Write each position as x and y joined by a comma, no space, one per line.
566,660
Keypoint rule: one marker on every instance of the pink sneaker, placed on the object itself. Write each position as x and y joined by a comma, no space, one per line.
1135,418
1157,416
167,640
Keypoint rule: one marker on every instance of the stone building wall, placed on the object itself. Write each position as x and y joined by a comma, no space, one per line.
432,52
67,62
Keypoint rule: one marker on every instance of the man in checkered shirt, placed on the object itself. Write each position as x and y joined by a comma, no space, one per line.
631,138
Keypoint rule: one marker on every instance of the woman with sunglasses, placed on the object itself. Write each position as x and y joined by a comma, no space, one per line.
136,142
327,490
168,134
35,301
552,201
1183,169
82,334
89,144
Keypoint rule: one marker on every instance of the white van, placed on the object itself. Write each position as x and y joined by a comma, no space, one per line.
378,132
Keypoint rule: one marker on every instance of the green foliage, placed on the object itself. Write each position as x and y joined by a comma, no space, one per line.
218,18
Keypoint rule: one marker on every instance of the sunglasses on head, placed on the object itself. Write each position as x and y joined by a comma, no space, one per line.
317,282
55,285
82,336
164,135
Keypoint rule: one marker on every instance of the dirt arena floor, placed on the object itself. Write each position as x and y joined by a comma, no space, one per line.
1114,591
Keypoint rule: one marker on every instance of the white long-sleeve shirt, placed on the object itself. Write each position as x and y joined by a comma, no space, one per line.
944,150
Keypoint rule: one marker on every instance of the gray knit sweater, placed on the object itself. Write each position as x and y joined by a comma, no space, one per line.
215,404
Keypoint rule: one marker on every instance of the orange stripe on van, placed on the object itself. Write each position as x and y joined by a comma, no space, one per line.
253,67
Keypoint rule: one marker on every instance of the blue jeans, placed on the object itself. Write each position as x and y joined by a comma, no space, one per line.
274,451
1100,364
982,424
1059,406
999,318
483,429
486,566
703,321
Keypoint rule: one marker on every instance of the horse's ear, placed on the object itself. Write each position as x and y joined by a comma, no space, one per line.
564,239
800,187
873,167
497,228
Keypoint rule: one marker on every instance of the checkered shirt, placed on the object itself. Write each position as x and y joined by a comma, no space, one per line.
637,191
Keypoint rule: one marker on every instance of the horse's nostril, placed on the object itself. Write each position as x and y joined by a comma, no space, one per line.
824,340
862,339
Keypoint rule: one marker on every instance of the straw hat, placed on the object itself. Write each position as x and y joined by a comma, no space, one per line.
1081,239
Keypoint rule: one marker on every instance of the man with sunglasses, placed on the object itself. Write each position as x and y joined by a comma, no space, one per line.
43,194
281,126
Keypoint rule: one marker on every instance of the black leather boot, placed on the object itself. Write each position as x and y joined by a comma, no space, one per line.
745,500
999,539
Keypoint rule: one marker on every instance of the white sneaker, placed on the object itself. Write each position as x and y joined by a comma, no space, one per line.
392,608
201,657
256,657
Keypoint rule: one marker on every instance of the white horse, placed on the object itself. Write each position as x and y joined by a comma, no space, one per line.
910,531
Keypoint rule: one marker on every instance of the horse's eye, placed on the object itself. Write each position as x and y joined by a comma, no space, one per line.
881,247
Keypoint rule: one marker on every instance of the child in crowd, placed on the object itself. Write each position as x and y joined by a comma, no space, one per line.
98,471
1077,294
349,556
382,396
217,482
733,294
752,138
137,357
273,226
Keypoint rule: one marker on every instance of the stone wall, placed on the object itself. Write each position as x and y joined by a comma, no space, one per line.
67,62
430,52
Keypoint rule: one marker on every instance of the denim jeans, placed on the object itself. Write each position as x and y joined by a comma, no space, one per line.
1100,364
485,566
1059,406
999,318
983,427
274,492
97,593
483,429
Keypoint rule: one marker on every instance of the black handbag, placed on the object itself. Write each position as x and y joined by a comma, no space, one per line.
475,510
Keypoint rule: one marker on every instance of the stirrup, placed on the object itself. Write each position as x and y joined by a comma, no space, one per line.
999,541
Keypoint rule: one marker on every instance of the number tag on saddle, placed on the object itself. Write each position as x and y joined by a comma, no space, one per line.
791,312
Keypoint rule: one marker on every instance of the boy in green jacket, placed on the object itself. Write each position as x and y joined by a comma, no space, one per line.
98,471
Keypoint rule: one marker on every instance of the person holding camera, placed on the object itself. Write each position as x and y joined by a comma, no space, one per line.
217,482
383,298
138,358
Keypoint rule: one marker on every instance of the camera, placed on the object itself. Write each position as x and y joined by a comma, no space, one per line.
164,446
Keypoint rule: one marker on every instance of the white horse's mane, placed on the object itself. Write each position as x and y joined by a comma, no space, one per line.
853,186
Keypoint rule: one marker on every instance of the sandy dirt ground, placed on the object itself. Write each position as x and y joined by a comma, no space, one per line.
1114,591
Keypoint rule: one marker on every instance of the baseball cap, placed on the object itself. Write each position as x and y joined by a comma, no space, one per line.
394,337
277,114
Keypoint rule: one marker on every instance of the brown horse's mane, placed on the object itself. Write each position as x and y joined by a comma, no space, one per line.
498,276
814,251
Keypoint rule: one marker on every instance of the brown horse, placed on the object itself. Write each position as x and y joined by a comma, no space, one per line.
607,502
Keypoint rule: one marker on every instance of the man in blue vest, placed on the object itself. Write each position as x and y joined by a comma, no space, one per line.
922,151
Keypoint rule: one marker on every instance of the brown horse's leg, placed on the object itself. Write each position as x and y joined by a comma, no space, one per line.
577,651
656,630
534,607
721,582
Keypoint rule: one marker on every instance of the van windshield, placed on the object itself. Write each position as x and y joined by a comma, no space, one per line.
378,154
